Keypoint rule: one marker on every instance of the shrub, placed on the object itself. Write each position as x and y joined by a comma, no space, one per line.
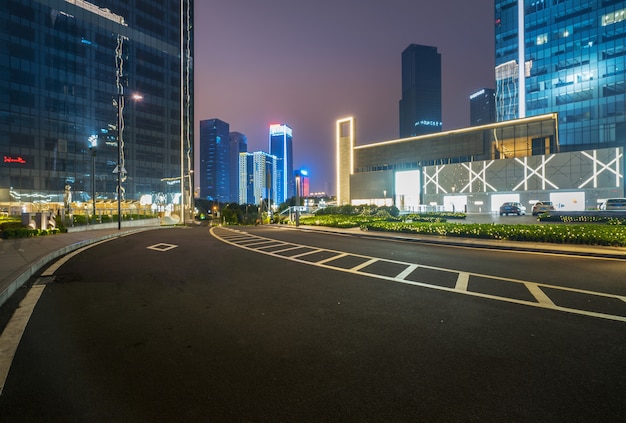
561,234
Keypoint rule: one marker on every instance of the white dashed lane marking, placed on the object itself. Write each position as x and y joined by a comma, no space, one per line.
588,303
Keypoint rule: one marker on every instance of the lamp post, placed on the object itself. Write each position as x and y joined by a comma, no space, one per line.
297,199
93,143
120,169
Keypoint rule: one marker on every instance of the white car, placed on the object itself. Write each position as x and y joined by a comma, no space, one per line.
614,204
542,207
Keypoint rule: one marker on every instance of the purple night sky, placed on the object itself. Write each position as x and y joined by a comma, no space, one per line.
309,63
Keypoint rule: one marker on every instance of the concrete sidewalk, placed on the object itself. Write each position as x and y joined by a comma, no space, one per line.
23,257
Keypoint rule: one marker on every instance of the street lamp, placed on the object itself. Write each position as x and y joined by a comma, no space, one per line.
93,143
120,169
297,199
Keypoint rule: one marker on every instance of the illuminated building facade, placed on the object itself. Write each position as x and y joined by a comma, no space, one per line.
214,160
346,137
258,175
420,106
483,107
570,57
281,146
68,68
476,169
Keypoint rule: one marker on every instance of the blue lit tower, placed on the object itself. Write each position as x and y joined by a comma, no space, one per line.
420,106
569,57
281,147
214,160
238,144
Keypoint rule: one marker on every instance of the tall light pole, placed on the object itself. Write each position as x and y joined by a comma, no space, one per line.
297,199
120,169
93,143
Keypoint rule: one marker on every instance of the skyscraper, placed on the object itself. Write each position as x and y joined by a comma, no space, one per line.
69,72
238,144
566,57
420,106
281,147
483,107
258,175
214,160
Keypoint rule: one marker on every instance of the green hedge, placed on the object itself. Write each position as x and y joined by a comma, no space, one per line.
609,232
19,231
609,235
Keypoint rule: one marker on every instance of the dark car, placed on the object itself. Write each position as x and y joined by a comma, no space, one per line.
512,208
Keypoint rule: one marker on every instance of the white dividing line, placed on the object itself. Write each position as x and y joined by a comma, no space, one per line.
539,295
462,281
12,334
307,253
335,257
275,244
364,264
60,262
278,251
265,241
406,272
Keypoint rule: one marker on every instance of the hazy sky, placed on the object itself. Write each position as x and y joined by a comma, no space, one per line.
309,63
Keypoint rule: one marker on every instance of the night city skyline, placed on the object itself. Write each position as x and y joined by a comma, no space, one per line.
308,65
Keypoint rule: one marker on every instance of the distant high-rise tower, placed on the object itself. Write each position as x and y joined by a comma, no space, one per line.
281,147
257,177
483,107
238,144
214,146
566,57
420,106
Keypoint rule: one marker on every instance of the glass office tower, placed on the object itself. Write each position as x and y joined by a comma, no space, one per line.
420,106
214,160
70,77
483,107
570,57
281,147
238,144
257,177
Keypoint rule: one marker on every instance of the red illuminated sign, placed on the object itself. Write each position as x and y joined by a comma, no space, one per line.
18,159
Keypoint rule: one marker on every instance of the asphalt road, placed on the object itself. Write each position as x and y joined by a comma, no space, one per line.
284,325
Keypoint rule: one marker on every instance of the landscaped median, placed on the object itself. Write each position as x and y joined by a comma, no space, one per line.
612,233
614,236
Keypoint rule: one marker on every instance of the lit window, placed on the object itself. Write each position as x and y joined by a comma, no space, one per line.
542,39
613,18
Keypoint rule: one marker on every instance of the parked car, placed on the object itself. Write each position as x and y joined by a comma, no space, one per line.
614,204
512,208
542,207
